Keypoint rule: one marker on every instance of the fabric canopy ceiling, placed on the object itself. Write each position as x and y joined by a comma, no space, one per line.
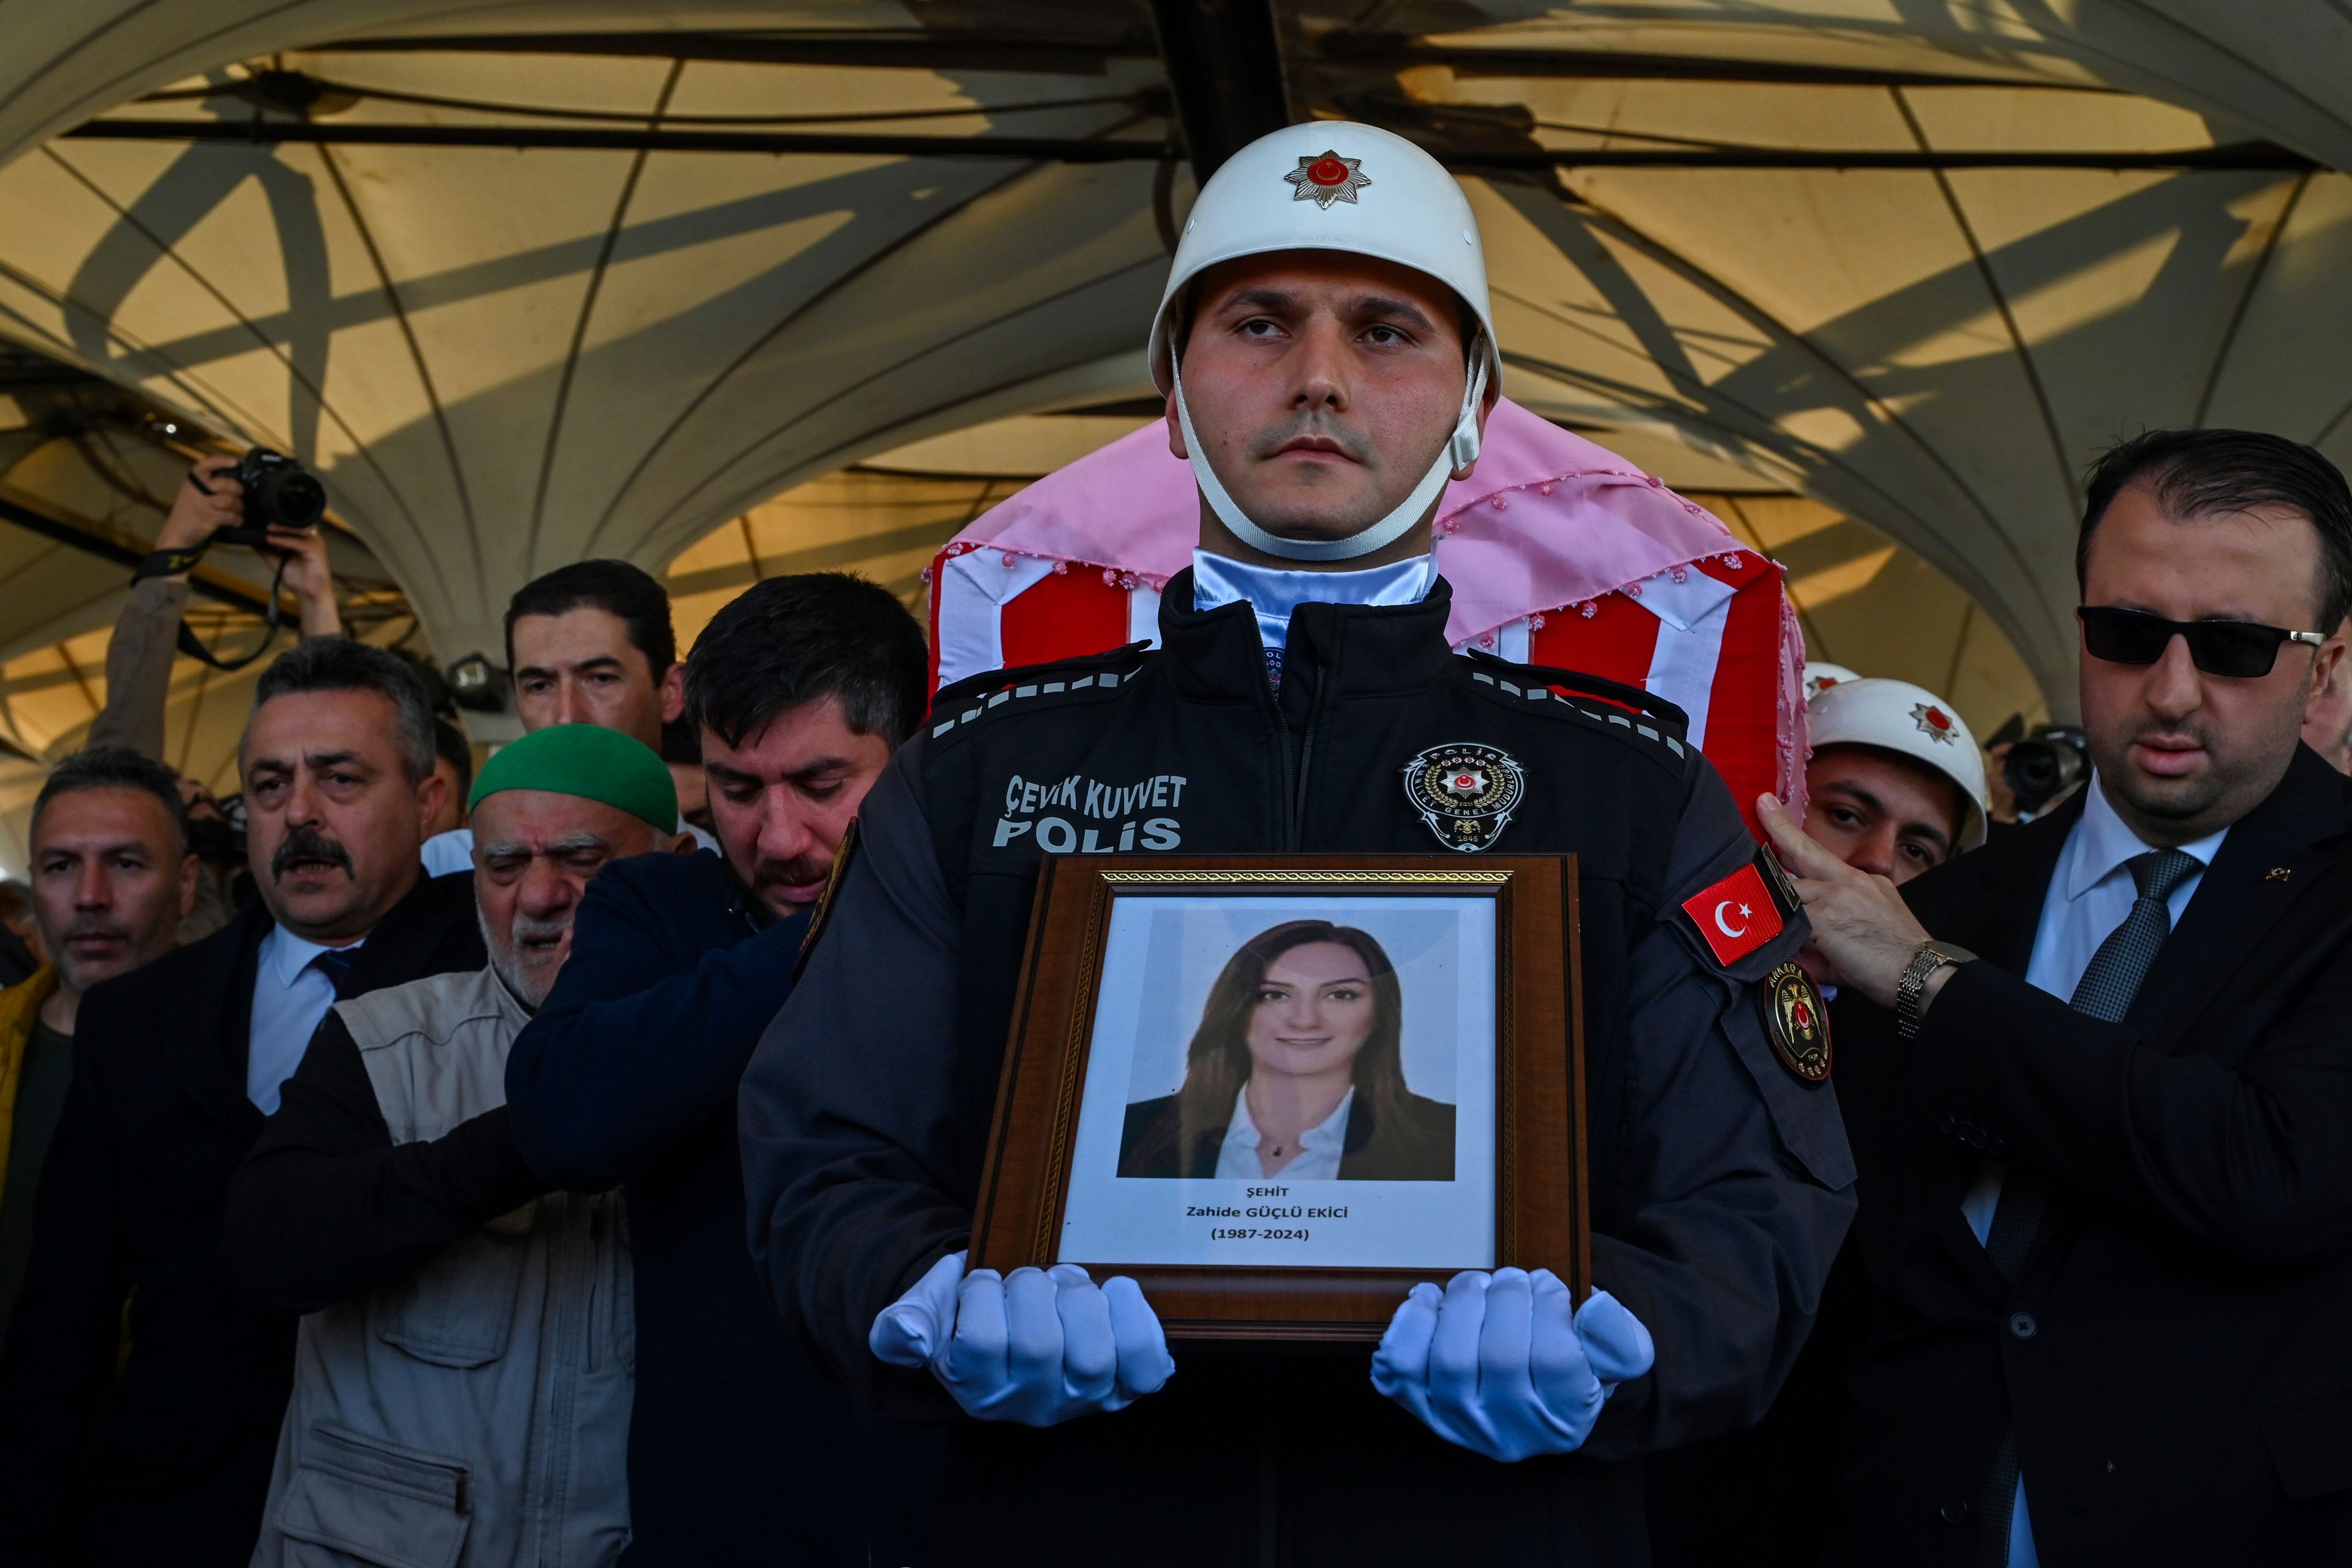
530,281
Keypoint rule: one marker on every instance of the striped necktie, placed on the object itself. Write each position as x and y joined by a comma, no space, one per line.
335,963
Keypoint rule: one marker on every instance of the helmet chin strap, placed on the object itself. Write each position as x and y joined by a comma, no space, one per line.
1460,450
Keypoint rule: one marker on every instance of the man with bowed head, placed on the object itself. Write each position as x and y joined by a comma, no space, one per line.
2099,1082
112,878
1328,355
460,1318
799,689
164,1456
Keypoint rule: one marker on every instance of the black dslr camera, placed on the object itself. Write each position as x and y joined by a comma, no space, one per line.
280,494
2042,767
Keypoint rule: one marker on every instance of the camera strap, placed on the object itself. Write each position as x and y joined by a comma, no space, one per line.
171,562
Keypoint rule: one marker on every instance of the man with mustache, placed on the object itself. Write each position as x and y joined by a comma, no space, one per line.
2099,1082
800,691
463,1321
165,1455
112,878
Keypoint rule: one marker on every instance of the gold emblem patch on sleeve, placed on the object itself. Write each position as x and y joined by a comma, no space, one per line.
1797,1022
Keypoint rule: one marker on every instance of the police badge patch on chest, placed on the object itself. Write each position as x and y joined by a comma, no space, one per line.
1797,1022
1465,792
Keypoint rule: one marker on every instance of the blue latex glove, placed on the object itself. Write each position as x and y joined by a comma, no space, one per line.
1038,1347
1502,1366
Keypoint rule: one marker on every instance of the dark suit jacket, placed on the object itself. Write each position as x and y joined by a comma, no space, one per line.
1148,1144
2177,1353
169,1460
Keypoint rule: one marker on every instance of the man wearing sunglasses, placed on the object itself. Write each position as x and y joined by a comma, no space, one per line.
2327,727
2098,1077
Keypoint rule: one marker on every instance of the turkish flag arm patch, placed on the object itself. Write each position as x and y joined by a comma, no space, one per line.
1742,912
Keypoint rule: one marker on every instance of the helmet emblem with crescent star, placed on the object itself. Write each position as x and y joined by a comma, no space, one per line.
1933,722
1327,179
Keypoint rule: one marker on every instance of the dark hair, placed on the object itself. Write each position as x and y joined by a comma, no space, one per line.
614,587
681,742
791,640
1218,1061
2203,473
114,767
449,744
428,674
339,663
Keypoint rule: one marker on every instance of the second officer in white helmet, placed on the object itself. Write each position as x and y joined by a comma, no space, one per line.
1896,784
1328,353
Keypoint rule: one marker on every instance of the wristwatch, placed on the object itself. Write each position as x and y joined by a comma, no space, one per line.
1912,989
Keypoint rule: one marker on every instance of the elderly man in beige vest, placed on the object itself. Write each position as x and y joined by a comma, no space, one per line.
463,1379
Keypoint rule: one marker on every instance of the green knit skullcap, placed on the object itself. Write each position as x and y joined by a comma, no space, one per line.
588,760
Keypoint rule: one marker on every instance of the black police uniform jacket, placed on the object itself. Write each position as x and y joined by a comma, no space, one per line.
1720,1183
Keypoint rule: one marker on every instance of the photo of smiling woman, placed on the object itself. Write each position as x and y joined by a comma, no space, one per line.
1296,1071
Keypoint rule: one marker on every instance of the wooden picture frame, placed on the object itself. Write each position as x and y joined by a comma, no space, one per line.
1539,1204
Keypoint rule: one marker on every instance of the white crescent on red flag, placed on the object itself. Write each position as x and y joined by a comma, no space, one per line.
1560,552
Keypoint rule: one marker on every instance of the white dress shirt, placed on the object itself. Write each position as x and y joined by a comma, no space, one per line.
290,1000
2091,891
1320,1147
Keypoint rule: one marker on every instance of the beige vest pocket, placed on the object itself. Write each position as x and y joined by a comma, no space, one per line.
374,1503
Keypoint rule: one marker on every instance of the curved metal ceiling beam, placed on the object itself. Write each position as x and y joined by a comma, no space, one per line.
1999,297
587,313
2235,155
433,401
231,418
752,348
908,48
914,417
2254,276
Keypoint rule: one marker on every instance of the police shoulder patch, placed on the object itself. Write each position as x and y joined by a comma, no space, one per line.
1740,913
1796,1022
824,901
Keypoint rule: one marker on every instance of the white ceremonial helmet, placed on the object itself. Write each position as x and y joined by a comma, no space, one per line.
1821,674
1334,185
1911,721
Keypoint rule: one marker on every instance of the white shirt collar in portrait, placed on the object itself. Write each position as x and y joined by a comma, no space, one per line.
1320,1146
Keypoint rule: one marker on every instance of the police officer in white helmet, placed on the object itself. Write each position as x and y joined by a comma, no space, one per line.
1329,356
1896,784
1821,674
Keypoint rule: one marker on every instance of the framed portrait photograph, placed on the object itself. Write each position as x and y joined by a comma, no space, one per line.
1279,1090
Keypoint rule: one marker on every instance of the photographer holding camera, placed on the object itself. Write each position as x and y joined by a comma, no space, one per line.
2034,775
147,632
